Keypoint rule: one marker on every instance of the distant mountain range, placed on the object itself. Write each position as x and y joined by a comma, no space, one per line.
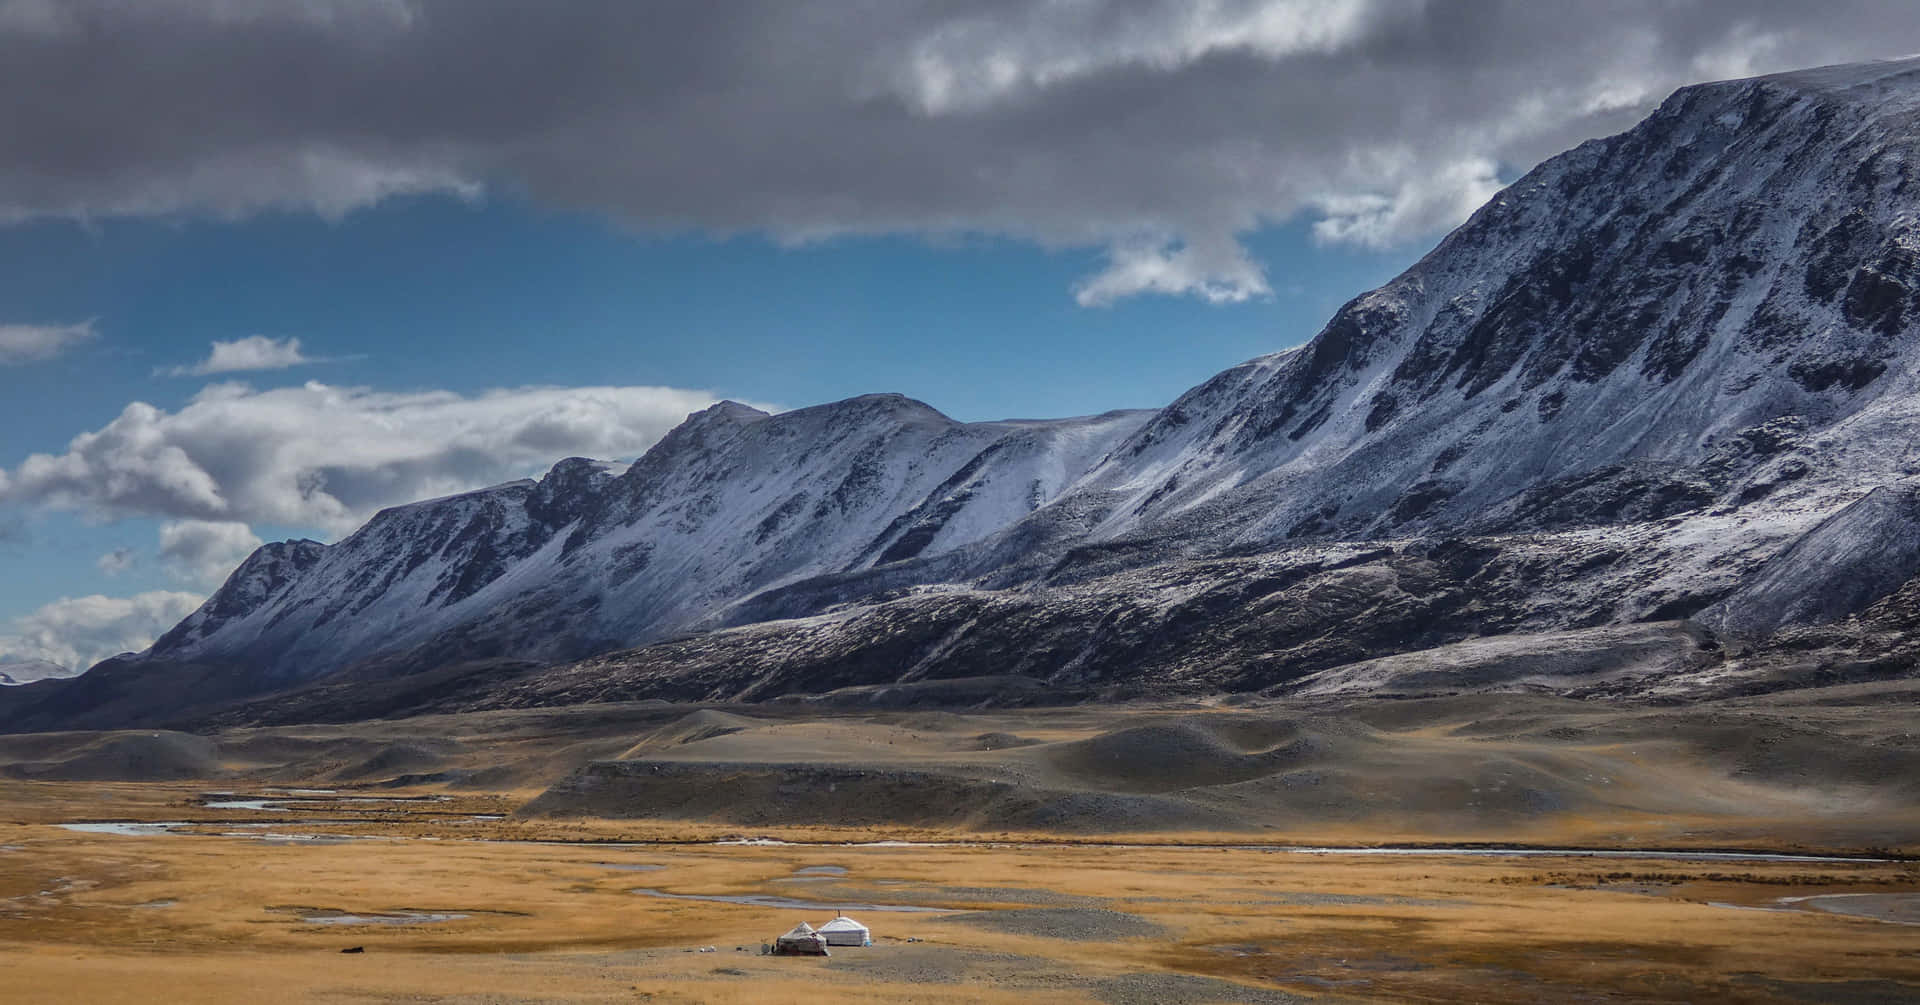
1666,377
32,672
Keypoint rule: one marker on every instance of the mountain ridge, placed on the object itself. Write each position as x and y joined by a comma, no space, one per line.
1642,383
578,536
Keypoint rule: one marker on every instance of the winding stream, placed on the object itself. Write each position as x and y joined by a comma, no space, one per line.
133,828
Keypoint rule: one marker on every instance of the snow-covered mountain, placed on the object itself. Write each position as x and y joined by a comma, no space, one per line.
1715,307
1668,373
591,557
1682,348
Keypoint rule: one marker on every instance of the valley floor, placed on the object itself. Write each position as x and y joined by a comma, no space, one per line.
454,853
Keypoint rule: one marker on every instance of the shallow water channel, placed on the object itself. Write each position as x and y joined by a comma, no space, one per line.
788,903
1469,851
394,918
133,828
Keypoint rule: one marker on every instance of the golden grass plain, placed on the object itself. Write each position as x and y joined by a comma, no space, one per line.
206,918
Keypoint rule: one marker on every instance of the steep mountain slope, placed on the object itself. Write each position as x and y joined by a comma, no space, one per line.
589,557
1675,313
1708,319
1669,374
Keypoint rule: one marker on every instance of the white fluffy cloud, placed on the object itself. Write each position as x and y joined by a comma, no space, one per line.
1217,270
1418,204
992,55
117,561
77,632
1069,123
205,552
32,343
328,457
200,552
255,352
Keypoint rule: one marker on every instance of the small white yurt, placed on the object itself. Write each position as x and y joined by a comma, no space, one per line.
802,941
844,931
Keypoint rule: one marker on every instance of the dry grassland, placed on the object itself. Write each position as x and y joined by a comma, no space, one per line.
204,918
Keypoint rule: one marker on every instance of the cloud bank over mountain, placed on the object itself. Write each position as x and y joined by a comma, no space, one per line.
328,457
77,632
1162,132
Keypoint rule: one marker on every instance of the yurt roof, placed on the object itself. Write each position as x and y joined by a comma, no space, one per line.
800,931
843,924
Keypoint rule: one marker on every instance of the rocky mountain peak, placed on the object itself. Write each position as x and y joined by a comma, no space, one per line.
1747,253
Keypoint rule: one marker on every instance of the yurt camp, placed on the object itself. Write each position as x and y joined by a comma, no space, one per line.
844,931
801,941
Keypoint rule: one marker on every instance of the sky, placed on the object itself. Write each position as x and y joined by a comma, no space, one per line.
267,267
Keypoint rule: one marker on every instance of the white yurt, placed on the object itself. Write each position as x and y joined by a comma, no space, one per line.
802,941
844,931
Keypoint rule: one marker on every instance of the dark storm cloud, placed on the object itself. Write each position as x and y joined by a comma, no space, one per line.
1159,131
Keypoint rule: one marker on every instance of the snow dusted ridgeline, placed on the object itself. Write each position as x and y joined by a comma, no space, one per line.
1667,374
1715,307
1676,350
590,558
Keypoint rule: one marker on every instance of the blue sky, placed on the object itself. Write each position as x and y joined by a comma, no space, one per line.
267,267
